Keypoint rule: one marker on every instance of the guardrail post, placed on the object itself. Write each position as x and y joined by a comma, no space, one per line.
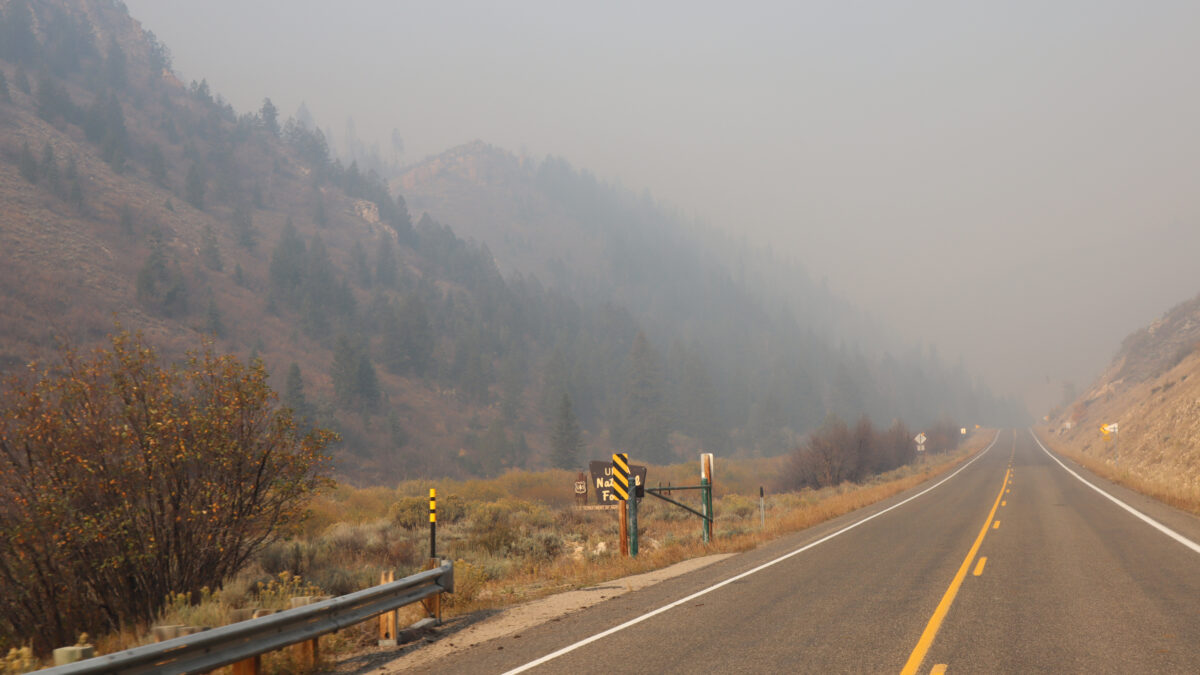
250,666
433,604
387,620
307,653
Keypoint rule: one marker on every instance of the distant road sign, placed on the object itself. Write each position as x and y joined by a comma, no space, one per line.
920,439
1109,428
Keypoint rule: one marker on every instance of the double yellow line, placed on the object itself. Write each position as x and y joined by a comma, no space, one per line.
935,623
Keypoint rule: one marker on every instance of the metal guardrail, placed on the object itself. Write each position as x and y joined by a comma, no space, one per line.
211,649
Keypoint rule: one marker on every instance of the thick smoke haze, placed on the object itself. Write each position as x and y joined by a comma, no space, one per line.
1013,182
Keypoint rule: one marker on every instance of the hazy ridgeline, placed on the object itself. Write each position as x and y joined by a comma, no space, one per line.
247,227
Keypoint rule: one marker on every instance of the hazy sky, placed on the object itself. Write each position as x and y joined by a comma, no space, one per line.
1013,181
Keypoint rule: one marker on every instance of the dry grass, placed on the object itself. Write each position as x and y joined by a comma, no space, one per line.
514,538
1181,497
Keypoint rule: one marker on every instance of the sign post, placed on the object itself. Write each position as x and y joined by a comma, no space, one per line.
581,490
706,467
762,508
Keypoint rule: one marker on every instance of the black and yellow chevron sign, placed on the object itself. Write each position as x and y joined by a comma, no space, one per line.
620,482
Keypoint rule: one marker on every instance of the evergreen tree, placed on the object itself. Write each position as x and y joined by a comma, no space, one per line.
243,226
194,186
27,164
642,426
161,285
49,170
5,95
286,272
416,334
212,320
566,439
115,65
385,263
362,269
210,253
293,394
270,116
344,371
74,185
18,43
367,383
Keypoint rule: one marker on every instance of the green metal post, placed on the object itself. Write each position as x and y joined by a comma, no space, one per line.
633,526
706,500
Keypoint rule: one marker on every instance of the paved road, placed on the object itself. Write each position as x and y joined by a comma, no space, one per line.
1012,565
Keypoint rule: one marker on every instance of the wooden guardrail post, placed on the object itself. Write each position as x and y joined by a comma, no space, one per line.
307,653
250,666
433,604
387,620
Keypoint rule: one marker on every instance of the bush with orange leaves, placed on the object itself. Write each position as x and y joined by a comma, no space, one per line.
123,480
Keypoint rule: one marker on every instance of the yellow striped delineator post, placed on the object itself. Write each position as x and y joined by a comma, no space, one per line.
432,523
620,482
620,487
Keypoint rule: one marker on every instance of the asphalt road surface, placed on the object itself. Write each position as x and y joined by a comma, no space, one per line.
1010,565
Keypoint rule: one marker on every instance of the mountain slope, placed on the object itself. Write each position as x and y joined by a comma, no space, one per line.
1152,392
127,194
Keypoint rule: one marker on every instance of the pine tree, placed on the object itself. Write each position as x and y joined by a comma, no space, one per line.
210,253
243,226
212,320
293,394
362,269
270,116
385,263
367,383
27,164
115,65
194,186
642,426
566,439
48,169
286,272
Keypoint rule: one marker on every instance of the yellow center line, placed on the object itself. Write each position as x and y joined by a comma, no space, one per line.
979,565
939,614
1004,503
996,525
939,669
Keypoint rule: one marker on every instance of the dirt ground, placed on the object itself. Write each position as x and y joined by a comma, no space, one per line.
467,631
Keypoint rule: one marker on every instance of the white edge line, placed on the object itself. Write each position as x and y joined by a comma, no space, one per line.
586,641
1148,520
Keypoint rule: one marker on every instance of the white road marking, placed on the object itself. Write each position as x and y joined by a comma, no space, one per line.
615,629
1147,519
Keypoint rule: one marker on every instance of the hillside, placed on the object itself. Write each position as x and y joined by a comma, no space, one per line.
1152,391
129,195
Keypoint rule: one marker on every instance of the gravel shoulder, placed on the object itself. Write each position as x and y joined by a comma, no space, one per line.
467,631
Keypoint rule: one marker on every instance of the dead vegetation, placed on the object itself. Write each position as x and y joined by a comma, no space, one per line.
513,539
